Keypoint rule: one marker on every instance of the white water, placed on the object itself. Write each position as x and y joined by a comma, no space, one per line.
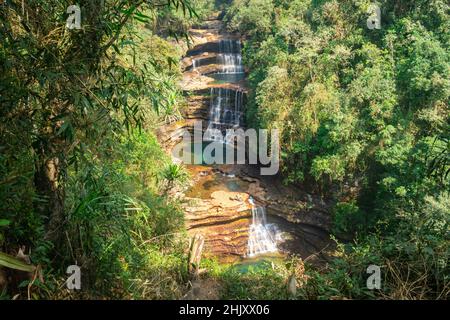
230,56
225,112
263,236
226,104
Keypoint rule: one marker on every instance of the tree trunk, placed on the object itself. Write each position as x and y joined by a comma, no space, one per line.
195,255
48,185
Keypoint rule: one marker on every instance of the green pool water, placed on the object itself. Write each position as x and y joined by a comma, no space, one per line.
259,263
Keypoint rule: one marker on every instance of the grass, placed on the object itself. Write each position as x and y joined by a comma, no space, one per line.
262,280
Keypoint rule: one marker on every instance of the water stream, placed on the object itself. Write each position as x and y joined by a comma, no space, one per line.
262,236
226,106
230,56
226,112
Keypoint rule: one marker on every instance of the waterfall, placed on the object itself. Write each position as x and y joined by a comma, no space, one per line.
226,104
230,56
194,64
225,111
262,235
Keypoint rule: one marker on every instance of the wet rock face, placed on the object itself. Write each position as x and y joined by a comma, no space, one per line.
224,216
221,215
227,199
194,63
223,220
204,47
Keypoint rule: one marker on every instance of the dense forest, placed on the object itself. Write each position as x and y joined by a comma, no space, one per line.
363,118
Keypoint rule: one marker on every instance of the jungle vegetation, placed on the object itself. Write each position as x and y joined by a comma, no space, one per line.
363,116
82,176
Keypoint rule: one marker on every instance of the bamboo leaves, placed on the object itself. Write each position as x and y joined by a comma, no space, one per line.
14,263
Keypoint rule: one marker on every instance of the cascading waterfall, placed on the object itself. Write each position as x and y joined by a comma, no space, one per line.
225,112
226,104
262,236
230,56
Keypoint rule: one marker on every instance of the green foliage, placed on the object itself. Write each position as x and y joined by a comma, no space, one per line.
345,278
243,16
14,263
172,173
119,220
347,218
261,283
79,162
176,21
413,259
263,280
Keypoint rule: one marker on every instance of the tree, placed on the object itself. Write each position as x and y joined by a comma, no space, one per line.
58,85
